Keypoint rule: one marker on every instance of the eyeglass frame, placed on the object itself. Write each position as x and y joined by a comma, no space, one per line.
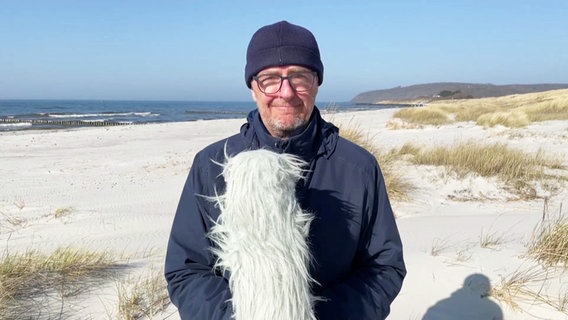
282,78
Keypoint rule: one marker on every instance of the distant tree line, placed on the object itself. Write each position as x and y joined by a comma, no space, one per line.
449,90
457,94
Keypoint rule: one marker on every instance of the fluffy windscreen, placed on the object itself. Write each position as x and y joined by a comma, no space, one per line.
260,238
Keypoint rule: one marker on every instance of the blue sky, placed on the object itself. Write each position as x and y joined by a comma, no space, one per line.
195,50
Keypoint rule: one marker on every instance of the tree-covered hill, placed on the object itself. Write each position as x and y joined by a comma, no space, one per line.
448,90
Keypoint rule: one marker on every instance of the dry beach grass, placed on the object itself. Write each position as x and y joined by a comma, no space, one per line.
33,280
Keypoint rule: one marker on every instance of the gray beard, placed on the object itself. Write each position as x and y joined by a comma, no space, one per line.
287,131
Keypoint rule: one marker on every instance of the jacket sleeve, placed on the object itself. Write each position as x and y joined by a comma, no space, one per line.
194,288
378,269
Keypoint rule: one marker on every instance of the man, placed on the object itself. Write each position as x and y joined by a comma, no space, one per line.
356,250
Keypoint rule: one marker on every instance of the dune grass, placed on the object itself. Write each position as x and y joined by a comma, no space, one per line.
550,107
424,115
516,168
525,287
514,111
35,285
142,297
439,246
509,119
491,240
32,283
521,172
549,243
551,246
398,188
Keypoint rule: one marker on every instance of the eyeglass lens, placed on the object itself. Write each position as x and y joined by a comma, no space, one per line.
300,82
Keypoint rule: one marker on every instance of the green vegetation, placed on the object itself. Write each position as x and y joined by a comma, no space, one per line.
448,93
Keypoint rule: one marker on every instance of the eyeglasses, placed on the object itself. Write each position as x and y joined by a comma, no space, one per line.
299,81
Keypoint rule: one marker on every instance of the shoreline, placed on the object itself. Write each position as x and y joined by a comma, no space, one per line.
61,117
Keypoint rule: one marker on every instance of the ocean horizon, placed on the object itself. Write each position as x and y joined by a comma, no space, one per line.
20,114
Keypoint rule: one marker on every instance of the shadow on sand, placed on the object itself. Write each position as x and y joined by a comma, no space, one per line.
470,302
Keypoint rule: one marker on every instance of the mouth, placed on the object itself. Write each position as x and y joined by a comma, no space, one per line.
286,107
287,110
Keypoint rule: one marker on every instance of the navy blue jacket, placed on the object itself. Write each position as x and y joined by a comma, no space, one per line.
354,239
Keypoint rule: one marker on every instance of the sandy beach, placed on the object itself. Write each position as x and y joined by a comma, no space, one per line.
119,187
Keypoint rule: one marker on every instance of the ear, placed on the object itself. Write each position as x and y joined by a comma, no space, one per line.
253,94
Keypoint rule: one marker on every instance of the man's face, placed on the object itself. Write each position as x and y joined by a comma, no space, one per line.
286,112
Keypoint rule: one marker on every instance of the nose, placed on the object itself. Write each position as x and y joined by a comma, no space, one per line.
286,90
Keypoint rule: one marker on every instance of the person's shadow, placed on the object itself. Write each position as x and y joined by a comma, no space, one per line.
470,302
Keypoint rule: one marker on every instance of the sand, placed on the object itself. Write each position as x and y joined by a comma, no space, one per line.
119,187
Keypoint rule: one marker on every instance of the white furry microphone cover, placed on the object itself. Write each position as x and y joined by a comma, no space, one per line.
261,237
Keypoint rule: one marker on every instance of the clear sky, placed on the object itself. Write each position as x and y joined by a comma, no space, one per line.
195,50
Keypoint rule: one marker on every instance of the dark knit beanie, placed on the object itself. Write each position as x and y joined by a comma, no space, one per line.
282,44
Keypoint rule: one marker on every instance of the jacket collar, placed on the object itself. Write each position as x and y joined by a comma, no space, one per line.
319,137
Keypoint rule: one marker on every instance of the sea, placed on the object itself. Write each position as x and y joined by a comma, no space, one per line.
18,115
